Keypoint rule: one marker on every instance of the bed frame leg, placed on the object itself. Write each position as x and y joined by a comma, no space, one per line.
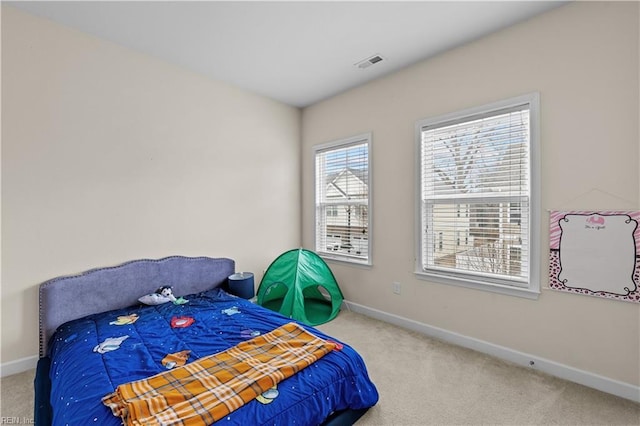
42,388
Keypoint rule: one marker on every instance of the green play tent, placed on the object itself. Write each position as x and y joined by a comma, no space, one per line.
300,285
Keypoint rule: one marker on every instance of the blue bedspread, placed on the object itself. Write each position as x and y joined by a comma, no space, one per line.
92,356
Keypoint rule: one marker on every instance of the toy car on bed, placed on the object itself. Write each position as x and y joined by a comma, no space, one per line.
98,342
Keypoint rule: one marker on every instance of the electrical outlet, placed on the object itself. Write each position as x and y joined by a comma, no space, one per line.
395,286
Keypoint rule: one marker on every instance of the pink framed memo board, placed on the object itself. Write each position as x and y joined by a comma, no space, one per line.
595,253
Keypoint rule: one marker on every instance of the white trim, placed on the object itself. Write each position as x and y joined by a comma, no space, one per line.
532,288
18,366
509,290
342,143
562,371
336,144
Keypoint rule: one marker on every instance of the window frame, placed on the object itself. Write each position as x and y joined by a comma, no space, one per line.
529,289
363,138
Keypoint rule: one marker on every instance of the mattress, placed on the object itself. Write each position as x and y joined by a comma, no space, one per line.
91,356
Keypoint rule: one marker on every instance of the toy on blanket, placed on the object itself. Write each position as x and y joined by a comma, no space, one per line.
269,395
162,295
177,359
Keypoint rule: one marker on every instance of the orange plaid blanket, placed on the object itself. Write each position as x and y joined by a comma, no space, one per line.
211,387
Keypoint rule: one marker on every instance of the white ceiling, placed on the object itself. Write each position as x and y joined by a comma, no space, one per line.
295,52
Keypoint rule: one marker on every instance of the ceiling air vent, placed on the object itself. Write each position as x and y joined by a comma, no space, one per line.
369,61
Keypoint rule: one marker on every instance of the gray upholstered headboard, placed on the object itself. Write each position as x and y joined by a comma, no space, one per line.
67,298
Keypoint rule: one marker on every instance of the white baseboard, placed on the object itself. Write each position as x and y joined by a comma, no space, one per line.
595,381
18,366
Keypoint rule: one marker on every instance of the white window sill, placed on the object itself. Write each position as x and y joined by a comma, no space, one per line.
345,260
478,285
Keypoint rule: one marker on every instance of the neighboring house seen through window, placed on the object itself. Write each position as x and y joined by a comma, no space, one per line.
482,162
342,188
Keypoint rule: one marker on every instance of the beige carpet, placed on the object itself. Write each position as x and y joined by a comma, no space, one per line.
422,381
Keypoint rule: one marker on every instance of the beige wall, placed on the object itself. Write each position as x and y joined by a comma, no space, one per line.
583,59
110,155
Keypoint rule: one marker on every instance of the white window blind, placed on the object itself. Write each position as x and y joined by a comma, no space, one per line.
475,196
342,182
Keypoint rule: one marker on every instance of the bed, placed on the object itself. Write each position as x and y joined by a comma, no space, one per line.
96,337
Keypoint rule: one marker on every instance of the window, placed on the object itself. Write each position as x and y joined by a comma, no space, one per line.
482,161
342,188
